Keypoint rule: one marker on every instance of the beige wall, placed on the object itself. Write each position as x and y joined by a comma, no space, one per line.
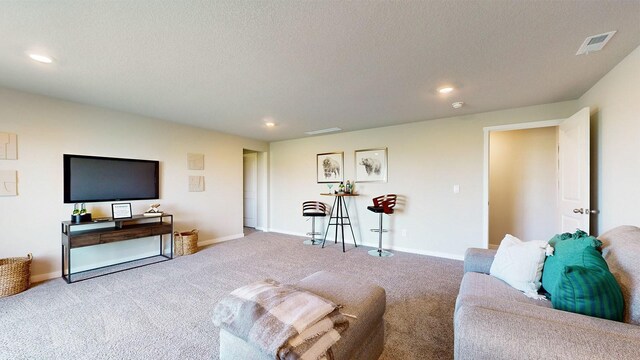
426,160
523,184
48,128
615,160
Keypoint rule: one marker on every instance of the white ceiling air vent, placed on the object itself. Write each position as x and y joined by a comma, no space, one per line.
595,43
323,131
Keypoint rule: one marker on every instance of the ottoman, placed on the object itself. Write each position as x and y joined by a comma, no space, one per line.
363,340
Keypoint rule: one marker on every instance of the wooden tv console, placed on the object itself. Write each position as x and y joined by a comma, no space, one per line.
95,233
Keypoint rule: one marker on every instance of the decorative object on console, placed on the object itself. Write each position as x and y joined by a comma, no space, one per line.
195,161
121,211
80,214
329,167
371,165
8,183
8,146
153,210
15,274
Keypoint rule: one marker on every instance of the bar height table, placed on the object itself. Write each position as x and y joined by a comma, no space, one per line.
340,213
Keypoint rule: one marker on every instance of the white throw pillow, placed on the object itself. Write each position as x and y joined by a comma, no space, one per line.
519,263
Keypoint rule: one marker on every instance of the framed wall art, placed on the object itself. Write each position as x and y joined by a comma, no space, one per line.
371,165
330,167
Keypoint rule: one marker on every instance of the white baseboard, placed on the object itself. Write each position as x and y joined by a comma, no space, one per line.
220,239
42,277
288,232
56,274
422,252
396,248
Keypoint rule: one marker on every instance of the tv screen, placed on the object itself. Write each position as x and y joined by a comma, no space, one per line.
93,179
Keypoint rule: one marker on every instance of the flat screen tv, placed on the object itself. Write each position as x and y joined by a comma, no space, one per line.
94,178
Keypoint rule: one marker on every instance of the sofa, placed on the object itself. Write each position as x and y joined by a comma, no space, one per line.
495,321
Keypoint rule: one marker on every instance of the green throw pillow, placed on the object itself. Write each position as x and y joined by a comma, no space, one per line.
568,251
578,279
589,291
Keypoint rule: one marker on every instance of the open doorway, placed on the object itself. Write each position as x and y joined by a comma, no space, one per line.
250,189
523,178
255,188
525,191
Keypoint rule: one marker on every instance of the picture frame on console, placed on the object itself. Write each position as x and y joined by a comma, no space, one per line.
330,167
371,165
121,211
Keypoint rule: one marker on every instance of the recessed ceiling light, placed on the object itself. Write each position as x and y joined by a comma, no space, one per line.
41,58
457,104
445,90
268,121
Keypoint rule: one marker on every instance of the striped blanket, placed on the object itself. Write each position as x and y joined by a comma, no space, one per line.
281,321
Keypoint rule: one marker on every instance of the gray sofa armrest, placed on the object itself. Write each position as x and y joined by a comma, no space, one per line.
478,260
496,329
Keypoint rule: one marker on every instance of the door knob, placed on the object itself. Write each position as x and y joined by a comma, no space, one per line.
586,211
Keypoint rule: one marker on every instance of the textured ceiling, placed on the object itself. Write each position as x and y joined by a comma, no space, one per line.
226,65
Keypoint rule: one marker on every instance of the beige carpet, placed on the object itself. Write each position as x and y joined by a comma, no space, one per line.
163,311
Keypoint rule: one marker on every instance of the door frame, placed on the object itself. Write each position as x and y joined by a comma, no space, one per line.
262,219
485,165
254,171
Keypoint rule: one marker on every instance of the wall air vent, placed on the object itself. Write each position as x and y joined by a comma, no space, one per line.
323,131
595,43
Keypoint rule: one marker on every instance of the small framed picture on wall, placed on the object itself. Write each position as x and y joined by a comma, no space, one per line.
329,167
371,165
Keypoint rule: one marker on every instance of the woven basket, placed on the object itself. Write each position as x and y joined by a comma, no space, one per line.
177,244
14,275
189,240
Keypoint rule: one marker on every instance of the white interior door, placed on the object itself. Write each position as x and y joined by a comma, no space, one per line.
574,172
250,190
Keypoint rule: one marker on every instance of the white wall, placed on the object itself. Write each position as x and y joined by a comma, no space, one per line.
523,184
425,160
48,128
615,118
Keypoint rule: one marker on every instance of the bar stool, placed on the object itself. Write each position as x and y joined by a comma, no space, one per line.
313,209
382,205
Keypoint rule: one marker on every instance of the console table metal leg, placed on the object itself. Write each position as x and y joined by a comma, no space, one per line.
69,264
62,265
346,209
333,208
341,217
